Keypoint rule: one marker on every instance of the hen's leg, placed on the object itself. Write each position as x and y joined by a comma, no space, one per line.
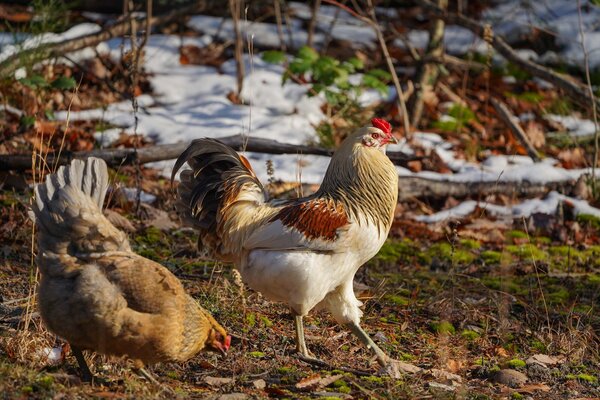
86,374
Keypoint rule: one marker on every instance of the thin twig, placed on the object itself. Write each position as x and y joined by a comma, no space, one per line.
591,96
234,8
373,23
512,122
277,6
314,13
428,73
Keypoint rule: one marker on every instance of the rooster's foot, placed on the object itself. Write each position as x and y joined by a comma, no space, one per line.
311,359
396,369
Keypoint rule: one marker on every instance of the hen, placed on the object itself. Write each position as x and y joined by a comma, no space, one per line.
302,252
96,293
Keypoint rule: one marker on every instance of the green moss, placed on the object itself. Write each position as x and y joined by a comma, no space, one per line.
26,389
506,284
256,354
405,356
250,320
543,240
341,386
516,363
173,374
561,106
398,300
443,327
528,97
394,251
516,396
589,220
587,378
491,256
582,377
45,381
594,279
470,244
527,251
558,295
443,252
266,321
538,346
515,235
373,379
469,335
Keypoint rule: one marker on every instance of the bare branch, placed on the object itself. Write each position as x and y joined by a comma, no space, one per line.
512,122
162,152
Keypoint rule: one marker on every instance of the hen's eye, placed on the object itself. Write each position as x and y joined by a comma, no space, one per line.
375,135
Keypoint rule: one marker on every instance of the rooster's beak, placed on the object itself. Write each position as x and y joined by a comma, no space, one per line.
392,139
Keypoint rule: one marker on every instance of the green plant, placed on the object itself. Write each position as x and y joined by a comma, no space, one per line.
331,78
457,117
49,16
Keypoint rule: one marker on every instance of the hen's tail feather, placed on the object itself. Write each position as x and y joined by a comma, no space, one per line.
219,177
68,210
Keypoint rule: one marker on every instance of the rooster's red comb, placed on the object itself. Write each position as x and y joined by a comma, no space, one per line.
382,124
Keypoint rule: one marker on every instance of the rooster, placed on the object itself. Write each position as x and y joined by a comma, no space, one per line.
302,252
96,293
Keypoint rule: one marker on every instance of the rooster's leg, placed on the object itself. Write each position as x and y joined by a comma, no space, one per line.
86,374
365,339
391,366
300,342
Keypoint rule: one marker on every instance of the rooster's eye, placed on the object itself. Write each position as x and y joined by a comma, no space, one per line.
375,135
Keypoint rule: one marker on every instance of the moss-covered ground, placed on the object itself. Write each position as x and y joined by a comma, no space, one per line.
459,306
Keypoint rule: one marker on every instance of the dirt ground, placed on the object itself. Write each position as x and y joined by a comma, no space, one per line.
462,309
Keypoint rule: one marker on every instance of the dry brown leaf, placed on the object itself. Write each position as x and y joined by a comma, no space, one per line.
535,133
309,383
217,381
572,158
544,360
445,376
119,221
259,384
530,388
501,352
454,365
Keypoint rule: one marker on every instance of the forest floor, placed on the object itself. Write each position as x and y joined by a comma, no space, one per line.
489,306
465,310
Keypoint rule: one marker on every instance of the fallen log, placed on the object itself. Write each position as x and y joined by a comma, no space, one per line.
411,187
162,152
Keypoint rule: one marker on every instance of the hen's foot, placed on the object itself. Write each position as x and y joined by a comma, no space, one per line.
86,374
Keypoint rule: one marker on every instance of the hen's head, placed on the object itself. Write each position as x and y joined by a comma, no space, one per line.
378,135
217,338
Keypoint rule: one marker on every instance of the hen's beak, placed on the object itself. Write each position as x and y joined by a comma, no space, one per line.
222,347
392,140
